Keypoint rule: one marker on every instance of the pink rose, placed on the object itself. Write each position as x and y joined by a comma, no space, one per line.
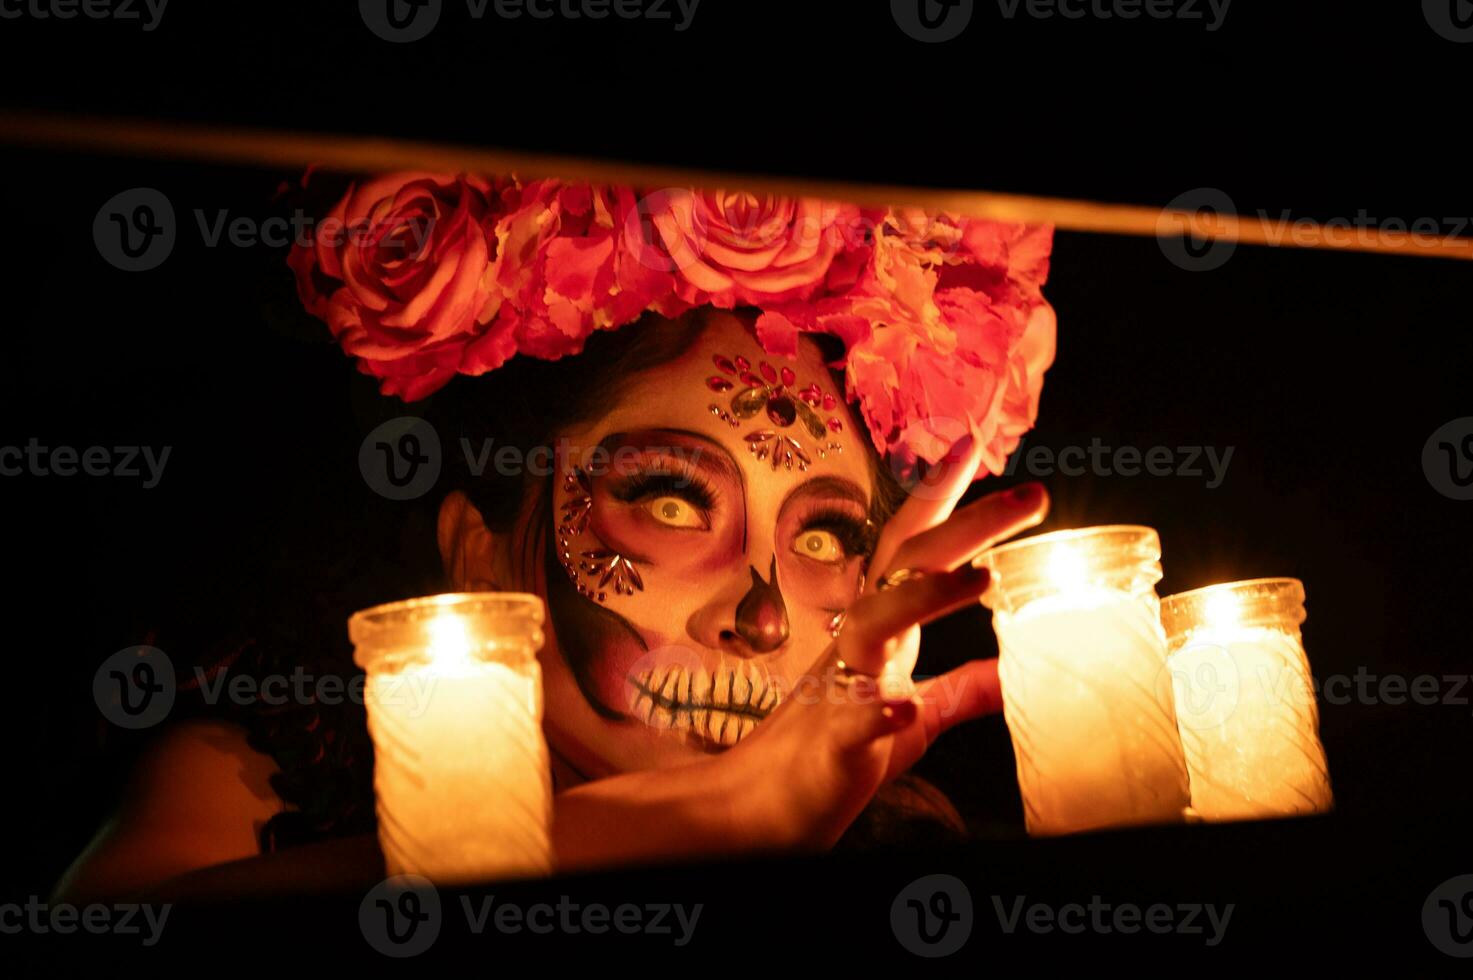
734,248
401,271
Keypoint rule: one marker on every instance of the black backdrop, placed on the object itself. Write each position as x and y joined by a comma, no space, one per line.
1326,373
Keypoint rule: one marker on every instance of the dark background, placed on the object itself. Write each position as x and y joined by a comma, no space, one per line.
1325,372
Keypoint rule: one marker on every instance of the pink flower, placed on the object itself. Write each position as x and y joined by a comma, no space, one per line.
563,270
946,334
399,270
945,328
733,248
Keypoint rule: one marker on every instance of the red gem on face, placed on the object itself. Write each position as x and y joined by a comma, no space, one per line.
828,403
781,410
724,364
769,373
788,376
718,383
751,380
835,425
811,395
742,364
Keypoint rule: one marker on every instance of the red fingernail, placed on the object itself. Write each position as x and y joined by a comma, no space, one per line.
972,575
1025,493
959,449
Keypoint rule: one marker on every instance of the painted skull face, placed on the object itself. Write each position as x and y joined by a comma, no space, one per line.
706,530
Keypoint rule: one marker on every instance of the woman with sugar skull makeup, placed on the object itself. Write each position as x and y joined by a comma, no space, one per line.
763,413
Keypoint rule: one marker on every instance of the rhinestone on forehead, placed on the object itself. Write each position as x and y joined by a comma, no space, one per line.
594,570
773,390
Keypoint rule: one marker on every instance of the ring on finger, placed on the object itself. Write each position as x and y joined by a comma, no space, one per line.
836,622
846,675
891,579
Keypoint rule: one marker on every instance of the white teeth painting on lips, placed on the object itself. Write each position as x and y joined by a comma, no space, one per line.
720,706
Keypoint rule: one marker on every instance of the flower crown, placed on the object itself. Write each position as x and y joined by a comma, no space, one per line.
946,332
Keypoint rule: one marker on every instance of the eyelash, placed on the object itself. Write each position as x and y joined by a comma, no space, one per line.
856,535
690,487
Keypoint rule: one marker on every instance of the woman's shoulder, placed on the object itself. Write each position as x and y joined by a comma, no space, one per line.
199,795
210,759
202,779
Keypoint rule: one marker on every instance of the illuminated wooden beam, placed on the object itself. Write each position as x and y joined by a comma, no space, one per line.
359,154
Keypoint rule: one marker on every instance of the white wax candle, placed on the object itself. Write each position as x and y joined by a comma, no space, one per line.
1249,723
1089,710
461,769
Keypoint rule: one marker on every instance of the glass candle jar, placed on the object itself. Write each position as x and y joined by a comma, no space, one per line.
454,700
1245,700
1086,696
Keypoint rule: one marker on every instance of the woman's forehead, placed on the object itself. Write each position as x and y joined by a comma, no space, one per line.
779,419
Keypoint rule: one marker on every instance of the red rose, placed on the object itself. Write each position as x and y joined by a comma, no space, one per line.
733,248
401,272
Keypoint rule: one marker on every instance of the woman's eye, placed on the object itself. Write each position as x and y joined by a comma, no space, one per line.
675,512
820,544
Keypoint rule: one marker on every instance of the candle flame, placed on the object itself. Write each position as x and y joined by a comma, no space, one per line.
450,641
1066,568
1222,610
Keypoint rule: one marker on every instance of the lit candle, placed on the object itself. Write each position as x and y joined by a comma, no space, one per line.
1245,703
1085,695
454,698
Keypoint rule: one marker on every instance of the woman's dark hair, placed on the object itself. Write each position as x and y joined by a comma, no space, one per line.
323,750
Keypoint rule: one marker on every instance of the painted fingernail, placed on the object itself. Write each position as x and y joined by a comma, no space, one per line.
1025,493
959,449
971,576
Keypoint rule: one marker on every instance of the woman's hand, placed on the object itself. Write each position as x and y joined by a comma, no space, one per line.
856,720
